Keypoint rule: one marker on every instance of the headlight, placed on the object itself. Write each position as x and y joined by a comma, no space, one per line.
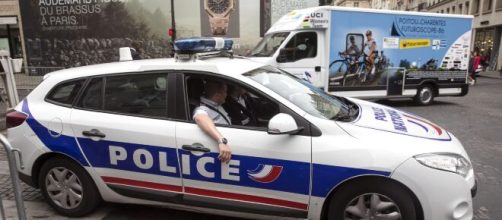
447,162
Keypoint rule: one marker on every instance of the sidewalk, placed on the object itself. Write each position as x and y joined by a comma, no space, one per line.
491,74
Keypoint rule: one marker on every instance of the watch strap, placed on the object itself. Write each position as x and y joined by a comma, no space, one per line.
219,25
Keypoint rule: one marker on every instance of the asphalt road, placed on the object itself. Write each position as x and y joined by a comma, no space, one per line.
475,119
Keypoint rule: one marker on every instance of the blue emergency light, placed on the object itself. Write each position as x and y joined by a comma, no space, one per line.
202,45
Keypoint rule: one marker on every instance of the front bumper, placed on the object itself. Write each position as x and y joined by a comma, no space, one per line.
474,189
442,195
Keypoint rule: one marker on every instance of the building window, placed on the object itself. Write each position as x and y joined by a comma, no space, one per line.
487,6
498,5
448,11
475,7
442,11
467,8
356,4
460,9
453,9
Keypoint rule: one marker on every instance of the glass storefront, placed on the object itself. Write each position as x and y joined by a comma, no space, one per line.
487,41
10,39
484,40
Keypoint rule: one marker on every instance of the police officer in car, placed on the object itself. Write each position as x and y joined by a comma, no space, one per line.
210,112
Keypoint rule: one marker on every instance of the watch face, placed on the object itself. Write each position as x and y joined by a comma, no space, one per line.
218,6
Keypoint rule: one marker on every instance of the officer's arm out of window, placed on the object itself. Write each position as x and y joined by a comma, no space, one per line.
206,124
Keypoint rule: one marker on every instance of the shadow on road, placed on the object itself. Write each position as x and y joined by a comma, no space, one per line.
126,212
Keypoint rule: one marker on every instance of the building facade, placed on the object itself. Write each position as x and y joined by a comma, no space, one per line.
353,3
487,31
381,4
402,5
10,28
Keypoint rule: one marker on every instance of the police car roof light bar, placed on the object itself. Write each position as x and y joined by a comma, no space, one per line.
203,47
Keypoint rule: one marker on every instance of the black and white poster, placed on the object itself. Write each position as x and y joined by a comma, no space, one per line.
70,33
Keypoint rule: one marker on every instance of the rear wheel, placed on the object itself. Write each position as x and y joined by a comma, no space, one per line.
372,200
68,188
425,95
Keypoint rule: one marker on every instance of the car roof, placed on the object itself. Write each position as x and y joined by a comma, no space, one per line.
222,65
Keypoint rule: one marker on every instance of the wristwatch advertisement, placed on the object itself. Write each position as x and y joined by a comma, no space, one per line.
221,16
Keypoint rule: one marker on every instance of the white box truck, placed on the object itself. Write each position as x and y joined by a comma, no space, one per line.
370,53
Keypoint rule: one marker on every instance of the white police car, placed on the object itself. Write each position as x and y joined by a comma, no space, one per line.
123,132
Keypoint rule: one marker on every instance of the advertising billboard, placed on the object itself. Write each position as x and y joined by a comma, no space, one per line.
70,33
374,49
61,34
219,18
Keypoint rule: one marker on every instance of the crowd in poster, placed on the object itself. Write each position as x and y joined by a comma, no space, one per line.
69,33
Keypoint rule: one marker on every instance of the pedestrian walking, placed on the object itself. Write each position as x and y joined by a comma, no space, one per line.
473,67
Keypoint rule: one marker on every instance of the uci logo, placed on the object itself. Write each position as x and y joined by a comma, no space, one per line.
316,15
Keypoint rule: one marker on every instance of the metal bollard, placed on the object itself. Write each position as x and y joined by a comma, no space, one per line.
14,176
9,80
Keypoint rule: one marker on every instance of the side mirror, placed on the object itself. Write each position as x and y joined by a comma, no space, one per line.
283,124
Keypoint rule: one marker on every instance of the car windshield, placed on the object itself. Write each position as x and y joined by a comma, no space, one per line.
304,95
269,44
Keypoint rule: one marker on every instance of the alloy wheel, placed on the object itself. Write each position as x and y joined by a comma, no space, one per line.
64,187
372,206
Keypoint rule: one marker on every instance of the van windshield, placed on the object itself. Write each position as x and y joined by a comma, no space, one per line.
269,44
304,95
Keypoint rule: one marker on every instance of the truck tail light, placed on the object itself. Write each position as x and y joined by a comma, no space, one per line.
15,118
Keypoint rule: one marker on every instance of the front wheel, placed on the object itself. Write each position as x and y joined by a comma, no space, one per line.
425,95
372,200
338,71
68,188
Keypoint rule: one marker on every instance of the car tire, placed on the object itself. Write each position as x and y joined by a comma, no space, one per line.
425,95
68,188
360,200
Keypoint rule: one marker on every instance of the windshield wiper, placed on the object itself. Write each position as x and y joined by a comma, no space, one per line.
260,54
352,111
341,117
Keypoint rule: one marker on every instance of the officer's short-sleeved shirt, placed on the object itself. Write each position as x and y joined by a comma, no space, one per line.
209,108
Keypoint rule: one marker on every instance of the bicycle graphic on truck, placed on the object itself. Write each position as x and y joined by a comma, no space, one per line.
354,67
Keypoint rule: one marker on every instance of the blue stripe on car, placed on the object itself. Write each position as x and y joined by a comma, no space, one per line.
294,177
62,144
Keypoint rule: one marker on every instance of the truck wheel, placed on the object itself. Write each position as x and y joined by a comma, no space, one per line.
375,200
425,95
68,188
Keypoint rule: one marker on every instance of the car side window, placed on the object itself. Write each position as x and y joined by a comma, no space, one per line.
302,45
66,92
92,97
244,106
140,94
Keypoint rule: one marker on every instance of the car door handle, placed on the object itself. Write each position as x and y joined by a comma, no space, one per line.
94,133
196,147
